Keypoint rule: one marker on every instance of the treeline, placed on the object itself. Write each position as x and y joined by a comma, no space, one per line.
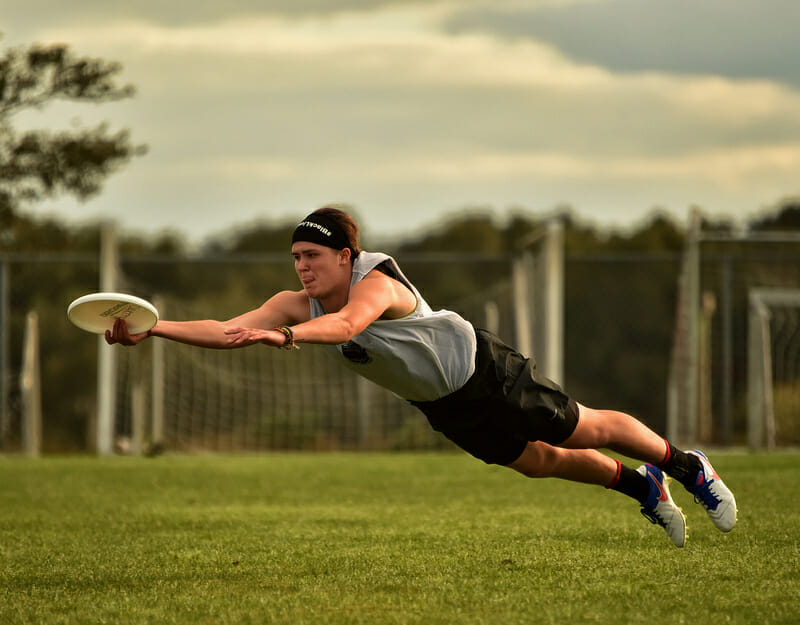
620,303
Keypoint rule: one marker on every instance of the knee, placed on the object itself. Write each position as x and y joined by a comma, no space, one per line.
537,460
593,430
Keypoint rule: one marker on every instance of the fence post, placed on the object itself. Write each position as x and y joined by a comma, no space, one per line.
553,338
755,379
522,277
538,292
363,393
491,316
106,355
157,395
138,413
705,425
727,351
693,326
31,388
5,373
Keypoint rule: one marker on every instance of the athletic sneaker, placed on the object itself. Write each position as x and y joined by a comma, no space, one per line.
659,507
710,492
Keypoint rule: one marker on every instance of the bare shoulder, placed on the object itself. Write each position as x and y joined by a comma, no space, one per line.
376,276
402,299
378,281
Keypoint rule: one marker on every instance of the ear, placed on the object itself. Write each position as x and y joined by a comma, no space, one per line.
344,256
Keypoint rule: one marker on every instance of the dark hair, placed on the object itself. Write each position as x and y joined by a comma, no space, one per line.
346,222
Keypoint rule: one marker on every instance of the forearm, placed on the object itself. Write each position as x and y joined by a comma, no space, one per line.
367,302
326,330
203,333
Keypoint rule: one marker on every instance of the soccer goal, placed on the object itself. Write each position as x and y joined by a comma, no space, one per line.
773,371
734,374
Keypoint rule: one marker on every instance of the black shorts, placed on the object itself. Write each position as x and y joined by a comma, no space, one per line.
505,404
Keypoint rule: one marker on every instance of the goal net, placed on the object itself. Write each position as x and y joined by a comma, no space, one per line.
186,398
773,372
255,399
734,375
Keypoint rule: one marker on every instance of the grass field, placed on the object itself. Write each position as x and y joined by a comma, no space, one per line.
380,538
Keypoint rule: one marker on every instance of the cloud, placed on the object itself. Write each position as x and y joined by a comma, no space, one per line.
389,92
395,104
746,39
32,15
401,39
395,46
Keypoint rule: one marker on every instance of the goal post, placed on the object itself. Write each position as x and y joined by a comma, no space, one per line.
107,358
761,409
735,371
682,384
538,292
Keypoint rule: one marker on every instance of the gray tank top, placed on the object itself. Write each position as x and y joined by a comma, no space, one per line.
421,357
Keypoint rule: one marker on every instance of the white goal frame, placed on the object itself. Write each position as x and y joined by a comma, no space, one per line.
690,375
761,431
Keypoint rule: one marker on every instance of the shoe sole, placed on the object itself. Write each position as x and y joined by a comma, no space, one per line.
665,484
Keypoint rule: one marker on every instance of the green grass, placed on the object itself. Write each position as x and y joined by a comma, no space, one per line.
380,538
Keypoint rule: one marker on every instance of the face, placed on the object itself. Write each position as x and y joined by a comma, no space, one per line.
321,269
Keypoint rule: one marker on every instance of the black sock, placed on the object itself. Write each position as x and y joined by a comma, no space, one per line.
629,482
681,466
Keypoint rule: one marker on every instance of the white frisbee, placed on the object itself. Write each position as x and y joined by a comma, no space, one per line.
97,312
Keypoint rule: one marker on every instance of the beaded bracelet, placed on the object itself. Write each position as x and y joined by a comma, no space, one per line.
289,342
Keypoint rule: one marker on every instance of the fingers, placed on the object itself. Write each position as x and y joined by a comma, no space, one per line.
240,336
234,334
249,336
119,334
121,331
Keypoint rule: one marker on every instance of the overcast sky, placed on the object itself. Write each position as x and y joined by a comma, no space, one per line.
410,111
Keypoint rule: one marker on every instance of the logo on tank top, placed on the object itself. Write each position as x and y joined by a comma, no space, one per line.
355,353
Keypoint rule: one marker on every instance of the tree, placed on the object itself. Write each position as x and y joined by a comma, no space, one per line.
787,217
38,164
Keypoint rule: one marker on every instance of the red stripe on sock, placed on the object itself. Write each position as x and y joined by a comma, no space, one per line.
615,481
667,455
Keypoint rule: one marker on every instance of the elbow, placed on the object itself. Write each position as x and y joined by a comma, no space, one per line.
347,331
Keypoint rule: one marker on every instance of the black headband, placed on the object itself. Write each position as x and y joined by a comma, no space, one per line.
322,230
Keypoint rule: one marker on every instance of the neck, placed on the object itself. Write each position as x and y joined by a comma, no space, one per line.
337,298
334,302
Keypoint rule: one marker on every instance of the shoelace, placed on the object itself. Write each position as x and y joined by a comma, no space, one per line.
653,517
704,496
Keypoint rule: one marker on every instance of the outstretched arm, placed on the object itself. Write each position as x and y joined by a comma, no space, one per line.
284,308
376,297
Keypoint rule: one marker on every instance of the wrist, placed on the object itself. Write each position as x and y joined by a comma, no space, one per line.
288,335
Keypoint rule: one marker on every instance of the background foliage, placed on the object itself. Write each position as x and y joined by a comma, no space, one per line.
620,296
620,285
